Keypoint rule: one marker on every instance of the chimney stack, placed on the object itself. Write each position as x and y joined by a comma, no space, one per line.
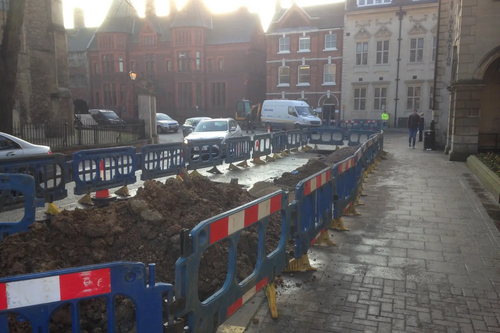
78,18
172,8
150,8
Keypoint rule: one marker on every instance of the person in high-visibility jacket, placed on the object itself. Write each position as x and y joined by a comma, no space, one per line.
385,120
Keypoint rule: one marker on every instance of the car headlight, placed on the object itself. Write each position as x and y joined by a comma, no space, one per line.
186,141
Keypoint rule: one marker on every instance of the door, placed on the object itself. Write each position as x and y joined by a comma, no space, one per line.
9,148
292,117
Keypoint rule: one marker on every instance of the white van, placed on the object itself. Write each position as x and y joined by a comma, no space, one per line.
287,114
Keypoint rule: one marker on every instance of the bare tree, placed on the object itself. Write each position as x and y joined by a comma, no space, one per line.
9,57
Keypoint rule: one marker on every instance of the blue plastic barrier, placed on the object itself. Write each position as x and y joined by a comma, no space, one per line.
304,136
35,297
204,153
313,202
345,174
358,137
19,184
262,144
50,173
326,136
119,164
370,124
238,149
162,160
279,142
294,139
350,125
204,316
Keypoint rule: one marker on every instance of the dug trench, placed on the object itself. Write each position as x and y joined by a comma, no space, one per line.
143,229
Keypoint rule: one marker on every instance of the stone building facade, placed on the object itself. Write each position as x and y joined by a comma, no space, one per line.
389,56
304,54
42,91
197,63
468,76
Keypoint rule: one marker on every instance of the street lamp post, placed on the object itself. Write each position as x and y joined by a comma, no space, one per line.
133,76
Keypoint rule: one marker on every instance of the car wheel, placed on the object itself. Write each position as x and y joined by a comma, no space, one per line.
176,130
159,129
297,126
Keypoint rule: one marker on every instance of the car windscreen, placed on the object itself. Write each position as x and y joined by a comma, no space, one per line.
162,116
110,115
304,110
211,126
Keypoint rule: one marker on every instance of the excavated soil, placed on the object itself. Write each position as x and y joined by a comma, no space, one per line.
315,165
143,229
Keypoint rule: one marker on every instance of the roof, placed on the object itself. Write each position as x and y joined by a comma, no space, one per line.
79,39
193,14
322,16
233,27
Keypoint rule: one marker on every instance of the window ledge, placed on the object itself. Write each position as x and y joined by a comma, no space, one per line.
303,84
283,85
332,49
329,84
303,51
284,52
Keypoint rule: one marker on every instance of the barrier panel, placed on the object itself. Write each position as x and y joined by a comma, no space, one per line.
162,160
120,165
24,186
50,174
35,297
294,138
313,202
350,124
204,153
345,174
304,136
370,124
205,316
326,136
261,145
279,142
238,149
358,137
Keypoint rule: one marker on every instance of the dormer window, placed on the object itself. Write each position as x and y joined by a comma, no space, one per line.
372,2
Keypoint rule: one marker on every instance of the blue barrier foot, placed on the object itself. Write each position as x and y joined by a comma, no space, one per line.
270,159
214,171
338,224
243,164
52,209
233,167
123,191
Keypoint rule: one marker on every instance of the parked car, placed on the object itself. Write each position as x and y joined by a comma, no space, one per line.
84,120
190,124
12,147
221,129
164,123
106,117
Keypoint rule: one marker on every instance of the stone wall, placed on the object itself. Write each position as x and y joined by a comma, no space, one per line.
42,91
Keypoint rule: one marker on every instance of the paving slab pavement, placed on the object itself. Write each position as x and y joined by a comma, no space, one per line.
423,257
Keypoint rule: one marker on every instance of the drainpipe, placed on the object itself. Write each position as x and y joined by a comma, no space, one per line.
436,60
400,15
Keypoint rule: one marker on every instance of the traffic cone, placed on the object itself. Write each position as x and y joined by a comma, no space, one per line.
102,194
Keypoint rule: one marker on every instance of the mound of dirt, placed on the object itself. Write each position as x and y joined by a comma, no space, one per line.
315,165
143,229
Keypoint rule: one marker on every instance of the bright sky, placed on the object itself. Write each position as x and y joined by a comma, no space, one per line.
95,10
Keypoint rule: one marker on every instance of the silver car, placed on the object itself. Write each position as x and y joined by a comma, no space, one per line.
11,147
221,129
164,123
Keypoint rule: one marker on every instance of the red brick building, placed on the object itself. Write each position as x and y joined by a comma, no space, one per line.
304,54
197,63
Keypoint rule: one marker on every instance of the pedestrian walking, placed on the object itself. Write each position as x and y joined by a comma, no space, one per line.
413,125
421,127
385,120
250,118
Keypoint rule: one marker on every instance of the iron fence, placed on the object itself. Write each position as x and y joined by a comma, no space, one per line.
64,134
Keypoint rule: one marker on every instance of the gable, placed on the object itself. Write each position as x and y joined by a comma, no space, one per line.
295,17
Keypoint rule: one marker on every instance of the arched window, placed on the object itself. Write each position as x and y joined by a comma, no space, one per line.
329,73
284,75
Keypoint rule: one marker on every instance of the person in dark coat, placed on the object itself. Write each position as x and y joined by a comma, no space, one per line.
250,119
421,127
413,125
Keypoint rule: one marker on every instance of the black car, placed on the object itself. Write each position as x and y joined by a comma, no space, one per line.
106,117
190,124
